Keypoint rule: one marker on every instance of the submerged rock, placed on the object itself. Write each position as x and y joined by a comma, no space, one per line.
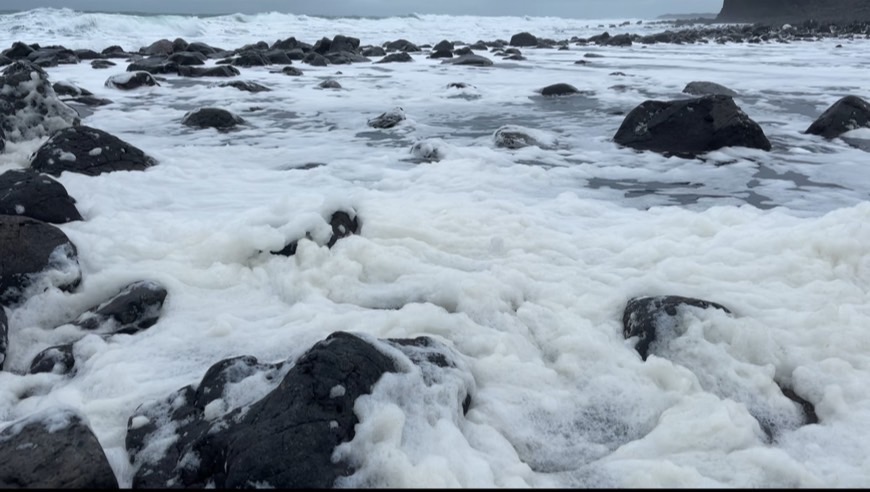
88,151
329,84
217,71
218,118
132,310
559,90
700,88
469,60
34,256
849,113
247,86
343,224
389,119
53,450
517,137
396,57
4,335
690,127
131,80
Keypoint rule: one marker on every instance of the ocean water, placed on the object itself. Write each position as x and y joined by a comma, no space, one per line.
521,261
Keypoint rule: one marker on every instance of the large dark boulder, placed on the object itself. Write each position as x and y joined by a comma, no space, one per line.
344,43
401,45
31,194
216,71
154,65
251,58
287,438
131,80
849,113
388,119
794,10
401,56
18,50
29,107
690,127
52,56
132,310
53,450
702,88
90,151
162,47
217,118
34,256
65,88
523,39
186,58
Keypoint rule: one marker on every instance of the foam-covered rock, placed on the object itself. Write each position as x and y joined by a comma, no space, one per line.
4,336
388,119
34,256
690,127
31,194
343,224
29,107
88,151
131,80
56,360
517,137
132,310
53,450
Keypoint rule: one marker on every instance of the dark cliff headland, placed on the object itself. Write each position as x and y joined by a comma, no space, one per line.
838,11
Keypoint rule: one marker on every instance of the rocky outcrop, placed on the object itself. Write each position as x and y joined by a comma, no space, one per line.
29,107
53,450
88,151
793,10
690,127
34,256
28,193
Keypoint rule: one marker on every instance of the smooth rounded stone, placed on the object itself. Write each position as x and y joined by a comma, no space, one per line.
292,71
56,360
114,51
701,88
560,89
29,107
650,318
34,256
216,71
593,55
278,57
847,114
341,43
162,47
469,60
400,57
246,86
28,193
65,88
690,127
315,60
100,64
186,58
401,45
441,54
465,50
4,335
218,118
90,151
342,224
53,449
373,51
515,58
131,80
444,45
329,84
523,39
389,119
136,308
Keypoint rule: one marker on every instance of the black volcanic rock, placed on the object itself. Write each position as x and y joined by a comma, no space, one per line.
285,439
28,193
218,118
88,151
523,39
57,360
794,10
701,88
53,450
690,127
559,90
18,50
849,113
132,310
29,248
4,335
29,107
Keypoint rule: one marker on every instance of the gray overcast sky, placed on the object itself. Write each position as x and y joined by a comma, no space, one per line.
563,8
